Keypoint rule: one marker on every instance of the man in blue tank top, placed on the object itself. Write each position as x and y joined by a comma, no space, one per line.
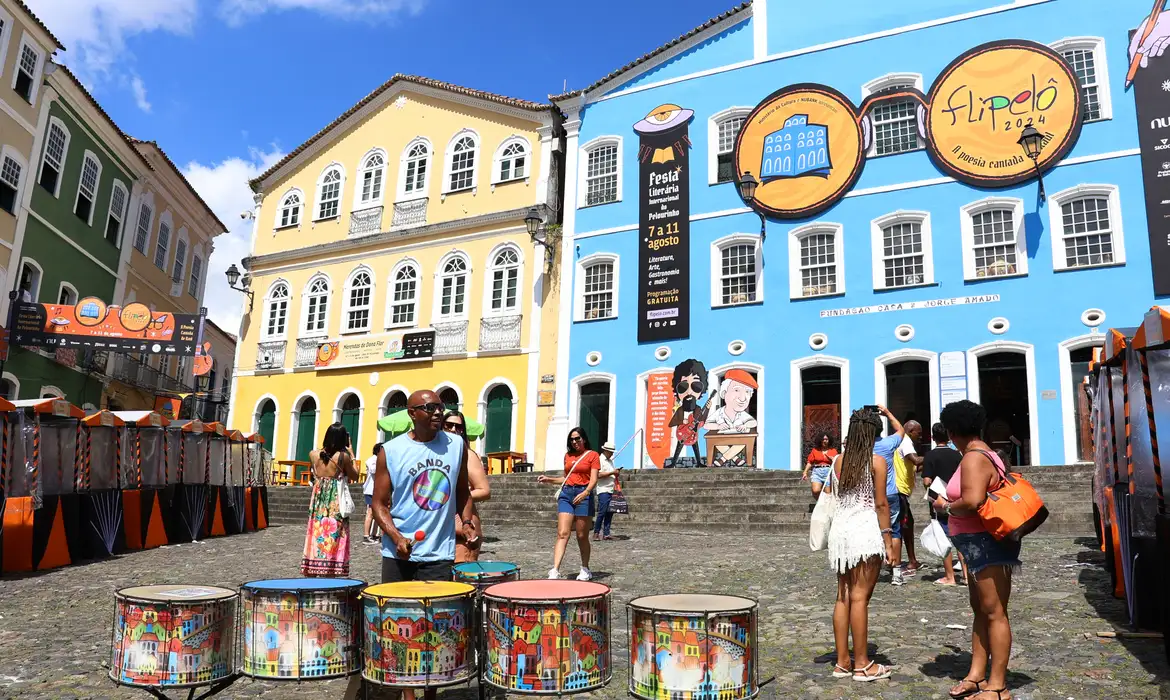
420,484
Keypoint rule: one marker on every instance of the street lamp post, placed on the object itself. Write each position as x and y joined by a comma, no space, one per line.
747,191
233,276
1032,141
533,222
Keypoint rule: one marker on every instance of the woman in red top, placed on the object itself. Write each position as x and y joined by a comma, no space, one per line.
575,505
820,458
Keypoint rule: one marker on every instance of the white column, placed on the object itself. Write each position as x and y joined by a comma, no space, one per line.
558,427
760,29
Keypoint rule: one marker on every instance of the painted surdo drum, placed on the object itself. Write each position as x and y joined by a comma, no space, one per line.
301,628
547,637
483,574
173,636
418,633
701,647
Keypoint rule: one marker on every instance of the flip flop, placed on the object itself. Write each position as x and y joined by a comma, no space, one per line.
940,582
965,693
862,675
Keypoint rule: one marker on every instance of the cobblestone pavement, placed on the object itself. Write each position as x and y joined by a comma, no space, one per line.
55,626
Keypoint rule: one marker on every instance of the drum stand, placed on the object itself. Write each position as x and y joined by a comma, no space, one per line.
214,689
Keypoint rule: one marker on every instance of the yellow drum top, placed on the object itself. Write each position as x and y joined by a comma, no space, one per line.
693,603
418,590
177,594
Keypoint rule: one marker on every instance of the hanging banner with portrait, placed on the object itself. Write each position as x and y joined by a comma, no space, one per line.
659,409
664,220
91,323
1152,98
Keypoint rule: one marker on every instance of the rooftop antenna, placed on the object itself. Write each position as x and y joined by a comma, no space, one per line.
565,85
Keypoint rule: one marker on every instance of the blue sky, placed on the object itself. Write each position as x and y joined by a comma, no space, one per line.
228,86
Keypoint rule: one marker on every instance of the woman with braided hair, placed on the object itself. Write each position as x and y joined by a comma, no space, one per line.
858,538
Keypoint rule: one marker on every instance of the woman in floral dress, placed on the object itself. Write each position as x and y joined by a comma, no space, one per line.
327,539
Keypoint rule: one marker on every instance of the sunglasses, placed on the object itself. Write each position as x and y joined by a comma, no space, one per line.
576,438
429,407
449,425
694,386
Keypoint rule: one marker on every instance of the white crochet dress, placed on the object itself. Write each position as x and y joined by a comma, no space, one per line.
854,535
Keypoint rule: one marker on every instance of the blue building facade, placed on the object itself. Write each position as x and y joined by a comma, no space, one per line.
912,289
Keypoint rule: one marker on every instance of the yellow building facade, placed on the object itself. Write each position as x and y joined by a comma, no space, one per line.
390,253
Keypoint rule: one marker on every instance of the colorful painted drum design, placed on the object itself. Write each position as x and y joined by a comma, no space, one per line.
418,633
701,647
173,636
301,628
547,637
483,574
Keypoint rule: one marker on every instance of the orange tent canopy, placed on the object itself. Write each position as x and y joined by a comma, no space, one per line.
191,426
1155,329
255,437
144,419
104,418
54,407
217,428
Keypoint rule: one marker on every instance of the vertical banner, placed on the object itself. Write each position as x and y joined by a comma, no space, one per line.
659,409
1153,117
664,217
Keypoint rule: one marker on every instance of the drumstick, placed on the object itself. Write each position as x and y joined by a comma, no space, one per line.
1135,63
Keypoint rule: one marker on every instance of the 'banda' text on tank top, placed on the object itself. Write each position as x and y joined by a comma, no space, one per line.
423,476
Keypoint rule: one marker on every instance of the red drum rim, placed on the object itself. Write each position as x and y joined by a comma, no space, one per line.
142,594
699,604
545,591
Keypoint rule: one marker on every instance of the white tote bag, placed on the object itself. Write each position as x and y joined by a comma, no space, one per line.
344,499
822,516
935,539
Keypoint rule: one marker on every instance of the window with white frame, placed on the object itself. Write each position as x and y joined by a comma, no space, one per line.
91,172
117,213
24,82
505,279
196,276
736,274
1086,221
404,297
1086,56
180,260
597,298
511,161
993,238
142,231
414,175
329,194
289,213
30,281
370,179
277,311
453,288
359,300
894,120
316,306
10,173
817,261
461,169
56,150
162,244
902,250
67,295
602,176
726,131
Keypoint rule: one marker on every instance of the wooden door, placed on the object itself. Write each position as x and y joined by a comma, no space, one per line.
266,426
306,430
499,420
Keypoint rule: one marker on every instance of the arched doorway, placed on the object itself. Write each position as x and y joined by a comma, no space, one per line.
498,437
450,399
351,415
394,402
1008,428
908,396
1079,360
820,392
306,427
594,413
266,423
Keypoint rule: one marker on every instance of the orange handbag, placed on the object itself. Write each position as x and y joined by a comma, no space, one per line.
1014,508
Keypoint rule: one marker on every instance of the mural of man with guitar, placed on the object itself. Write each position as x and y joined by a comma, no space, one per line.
690,384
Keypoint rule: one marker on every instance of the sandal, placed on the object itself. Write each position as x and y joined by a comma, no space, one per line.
863,675
940,582
840,671
999,694
965,693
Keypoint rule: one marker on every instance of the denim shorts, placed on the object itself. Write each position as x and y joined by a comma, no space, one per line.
895,502
980,550
584,509
369,500
820,475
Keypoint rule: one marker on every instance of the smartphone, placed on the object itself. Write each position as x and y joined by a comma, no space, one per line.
870,407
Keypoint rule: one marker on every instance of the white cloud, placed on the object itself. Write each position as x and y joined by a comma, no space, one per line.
140,94
224,186
236,12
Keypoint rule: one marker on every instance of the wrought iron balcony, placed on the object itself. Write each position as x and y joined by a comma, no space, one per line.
306,352
270,355
500,333
87,359
450,337
365,221
136,373
412,213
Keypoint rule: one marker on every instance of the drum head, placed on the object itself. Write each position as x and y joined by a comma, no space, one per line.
693,603
293,585
543,590
176,594
484,569
417,590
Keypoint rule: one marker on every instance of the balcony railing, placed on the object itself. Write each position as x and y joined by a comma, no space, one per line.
365,221
412,213
501,333
139,374
450,338
86,359
270,355
306,352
